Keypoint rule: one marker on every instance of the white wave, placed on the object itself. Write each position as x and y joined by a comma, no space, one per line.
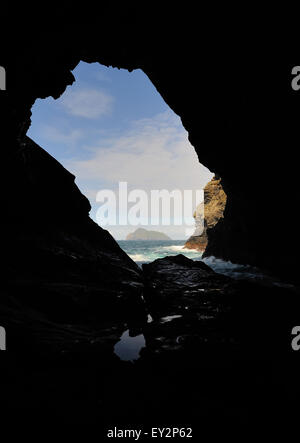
138,257
245,272
232,269
192,250
174,248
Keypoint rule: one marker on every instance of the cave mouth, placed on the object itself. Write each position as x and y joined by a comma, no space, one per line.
113,130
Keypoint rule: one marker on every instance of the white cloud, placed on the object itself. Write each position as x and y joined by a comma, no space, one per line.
101,76
53,134
154,154
88,103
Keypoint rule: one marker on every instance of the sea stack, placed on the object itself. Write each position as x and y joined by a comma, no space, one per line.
207,214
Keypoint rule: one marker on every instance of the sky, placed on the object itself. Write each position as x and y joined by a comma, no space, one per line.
112,126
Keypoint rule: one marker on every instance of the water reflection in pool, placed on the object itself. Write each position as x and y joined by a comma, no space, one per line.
128,348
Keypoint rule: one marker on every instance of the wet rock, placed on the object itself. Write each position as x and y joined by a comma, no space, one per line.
60,266
231,130
188,302
236,109
174,284
199,314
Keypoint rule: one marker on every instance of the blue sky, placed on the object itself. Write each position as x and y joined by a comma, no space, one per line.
111,126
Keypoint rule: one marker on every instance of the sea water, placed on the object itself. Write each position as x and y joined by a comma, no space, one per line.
128,347
142,251
147,251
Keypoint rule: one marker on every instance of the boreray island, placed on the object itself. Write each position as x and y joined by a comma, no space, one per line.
159,101
144,234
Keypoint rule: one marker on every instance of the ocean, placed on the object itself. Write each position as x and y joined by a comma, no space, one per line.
147,251
128,347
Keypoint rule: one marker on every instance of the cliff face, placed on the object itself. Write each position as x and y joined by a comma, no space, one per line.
207,214
60,266
233,121
229,81
233,124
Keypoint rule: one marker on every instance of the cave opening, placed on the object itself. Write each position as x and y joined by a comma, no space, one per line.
70,294
126,148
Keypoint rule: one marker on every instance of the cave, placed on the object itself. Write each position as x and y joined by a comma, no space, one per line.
69,288
113,131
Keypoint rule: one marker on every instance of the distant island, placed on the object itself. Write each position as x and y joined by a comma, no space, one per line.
143,234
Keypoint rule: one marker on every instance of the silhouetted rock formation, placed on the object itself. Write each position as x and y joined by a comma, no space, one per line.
195,309
144,234
233,120
68,287
207,214
60,264
172,280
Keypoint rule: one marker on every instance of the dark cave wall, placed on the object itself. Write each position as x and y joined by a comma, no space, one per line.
228,80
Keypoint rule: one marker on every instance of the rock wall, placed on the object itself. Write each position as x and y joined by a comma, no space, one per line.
207,214
227,74
230,86
59,266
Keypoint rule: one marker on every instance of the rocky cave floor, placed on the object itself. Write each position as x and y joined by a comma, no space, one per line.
224,355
